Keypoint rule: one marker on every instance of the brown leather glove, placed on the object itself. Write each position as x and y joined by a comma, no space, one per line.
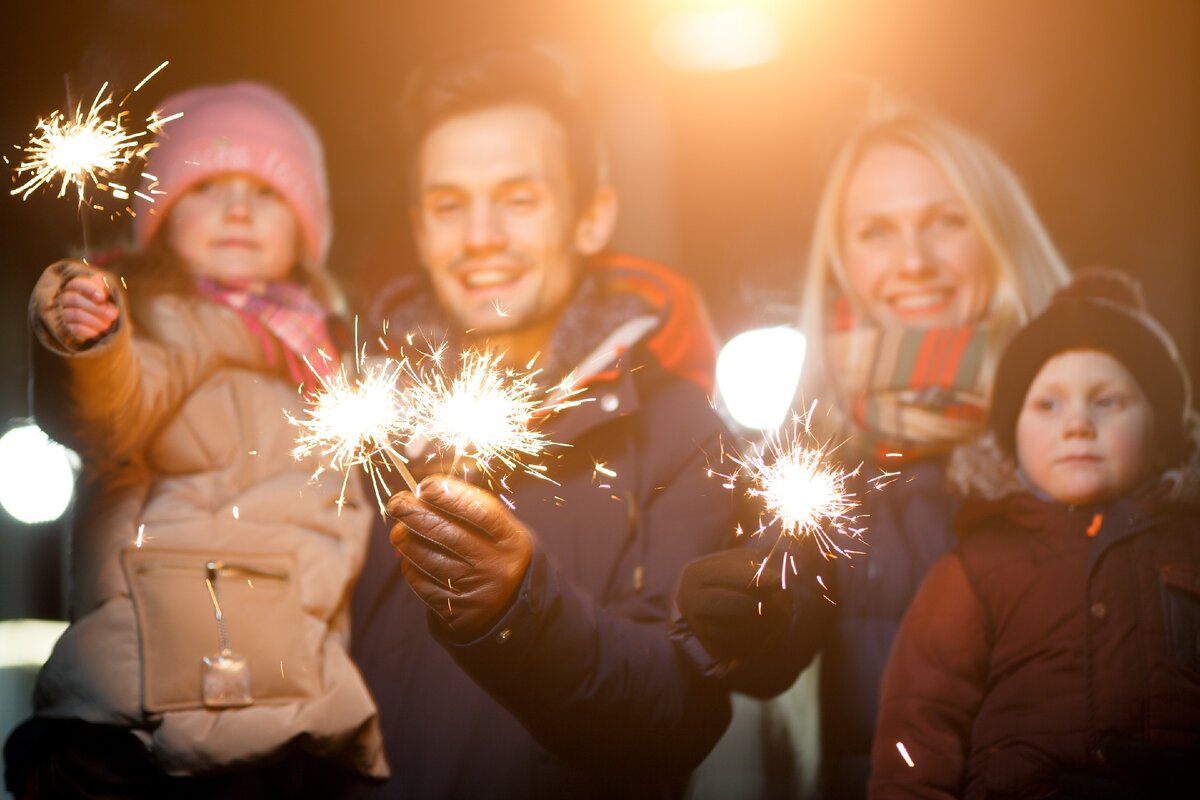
464,554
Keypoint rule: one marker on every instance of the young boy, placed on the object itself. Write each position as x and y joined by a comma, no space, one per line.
1056,653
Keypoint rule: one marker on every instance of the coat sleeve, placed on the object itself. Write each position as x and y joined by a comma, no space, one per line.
602,686
932,689
108,398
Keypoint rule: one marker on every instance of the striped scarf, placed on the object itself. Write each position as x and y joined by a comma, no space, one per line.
283,312
913,391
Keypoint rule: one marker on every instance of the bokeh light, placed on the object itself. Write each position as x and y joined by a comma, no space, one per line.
37,475
758,372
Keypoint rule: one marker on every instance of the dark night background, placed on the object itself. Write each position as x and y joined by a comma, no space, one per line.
1095,104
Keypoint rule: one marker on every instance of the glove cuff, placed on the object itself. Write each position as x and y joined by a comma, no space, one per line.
521,611
688,645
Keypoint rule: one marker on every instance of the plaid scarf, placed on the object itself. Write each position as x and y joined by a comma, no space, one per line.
916,391
286,313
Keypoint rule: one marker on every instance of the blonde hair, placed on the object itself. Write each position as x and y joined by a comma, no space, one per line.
1028,267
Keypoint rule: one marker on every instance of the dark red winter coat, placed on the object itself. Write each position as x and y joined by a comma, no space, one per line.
1056,648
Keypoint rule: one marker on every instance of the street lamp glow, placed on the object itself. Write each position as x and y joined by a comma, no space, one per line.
717,39
37,476
758,372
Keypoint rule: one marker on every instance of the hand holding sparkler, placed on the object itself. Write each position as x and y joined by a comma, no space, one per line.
465,554
758,607
735,602
86,309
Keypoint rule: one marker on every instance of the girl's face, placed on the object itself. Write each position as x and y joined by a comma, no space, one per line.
1086,431
234,229
912,254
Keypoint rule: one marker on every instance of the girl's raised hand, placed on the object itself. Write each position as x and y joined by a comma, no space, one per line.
87,309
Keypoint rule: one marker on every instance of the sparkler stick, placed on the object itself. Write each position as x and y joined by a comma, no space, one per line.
83,220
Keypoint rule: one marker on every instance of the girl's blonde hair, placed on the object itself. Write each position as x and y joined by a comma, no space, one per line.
1028,267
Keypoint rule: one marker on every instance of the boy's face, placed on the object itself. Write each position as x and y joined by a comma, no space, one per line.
1086,431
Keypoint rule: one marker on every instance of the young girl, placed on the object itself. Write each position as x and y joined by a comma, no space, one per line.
1055,652
210,571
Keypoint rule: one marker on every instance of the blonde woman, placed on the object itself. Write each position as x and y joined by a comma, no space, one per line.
920,227
926,258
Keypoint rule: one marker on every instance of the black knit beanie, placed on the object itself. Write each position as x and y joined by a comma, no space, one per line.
1101,309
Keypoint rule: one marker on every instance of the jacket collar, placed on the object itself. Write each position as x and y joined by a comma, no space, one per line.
633,299
654,318
606,396
1106,524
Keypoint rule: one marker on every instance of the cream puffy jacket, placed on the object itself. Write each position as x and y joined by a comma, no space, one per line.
190,500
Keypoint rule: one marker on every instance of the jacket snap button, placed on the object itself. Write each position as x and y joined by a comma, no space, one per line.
609,403
1099,610
504,635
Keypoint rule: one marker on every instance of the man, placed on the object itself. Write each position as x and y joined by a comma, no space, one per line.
525,653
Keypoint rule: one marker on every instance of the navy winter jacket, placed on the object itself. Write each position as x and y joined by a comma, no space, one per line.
577,691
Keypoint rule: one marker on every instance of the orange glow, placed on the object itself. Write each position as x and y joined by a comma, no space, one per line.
726,37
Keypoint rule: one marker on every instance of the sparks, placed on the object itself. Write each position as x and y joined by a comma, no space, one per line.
350,421
396,405
904,754
801,488
83,148
483,412
603,469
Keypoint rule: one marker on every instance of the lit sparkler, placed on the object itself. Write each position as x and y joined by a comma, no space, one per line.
351,421
77,149
483,412
801,488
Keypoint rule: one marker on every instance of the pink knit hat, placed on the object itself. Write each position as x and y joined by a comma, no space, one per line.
238,127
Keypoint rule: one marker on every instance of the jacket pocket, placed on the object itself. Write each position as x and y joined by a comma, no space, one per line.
177,595
1181,612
